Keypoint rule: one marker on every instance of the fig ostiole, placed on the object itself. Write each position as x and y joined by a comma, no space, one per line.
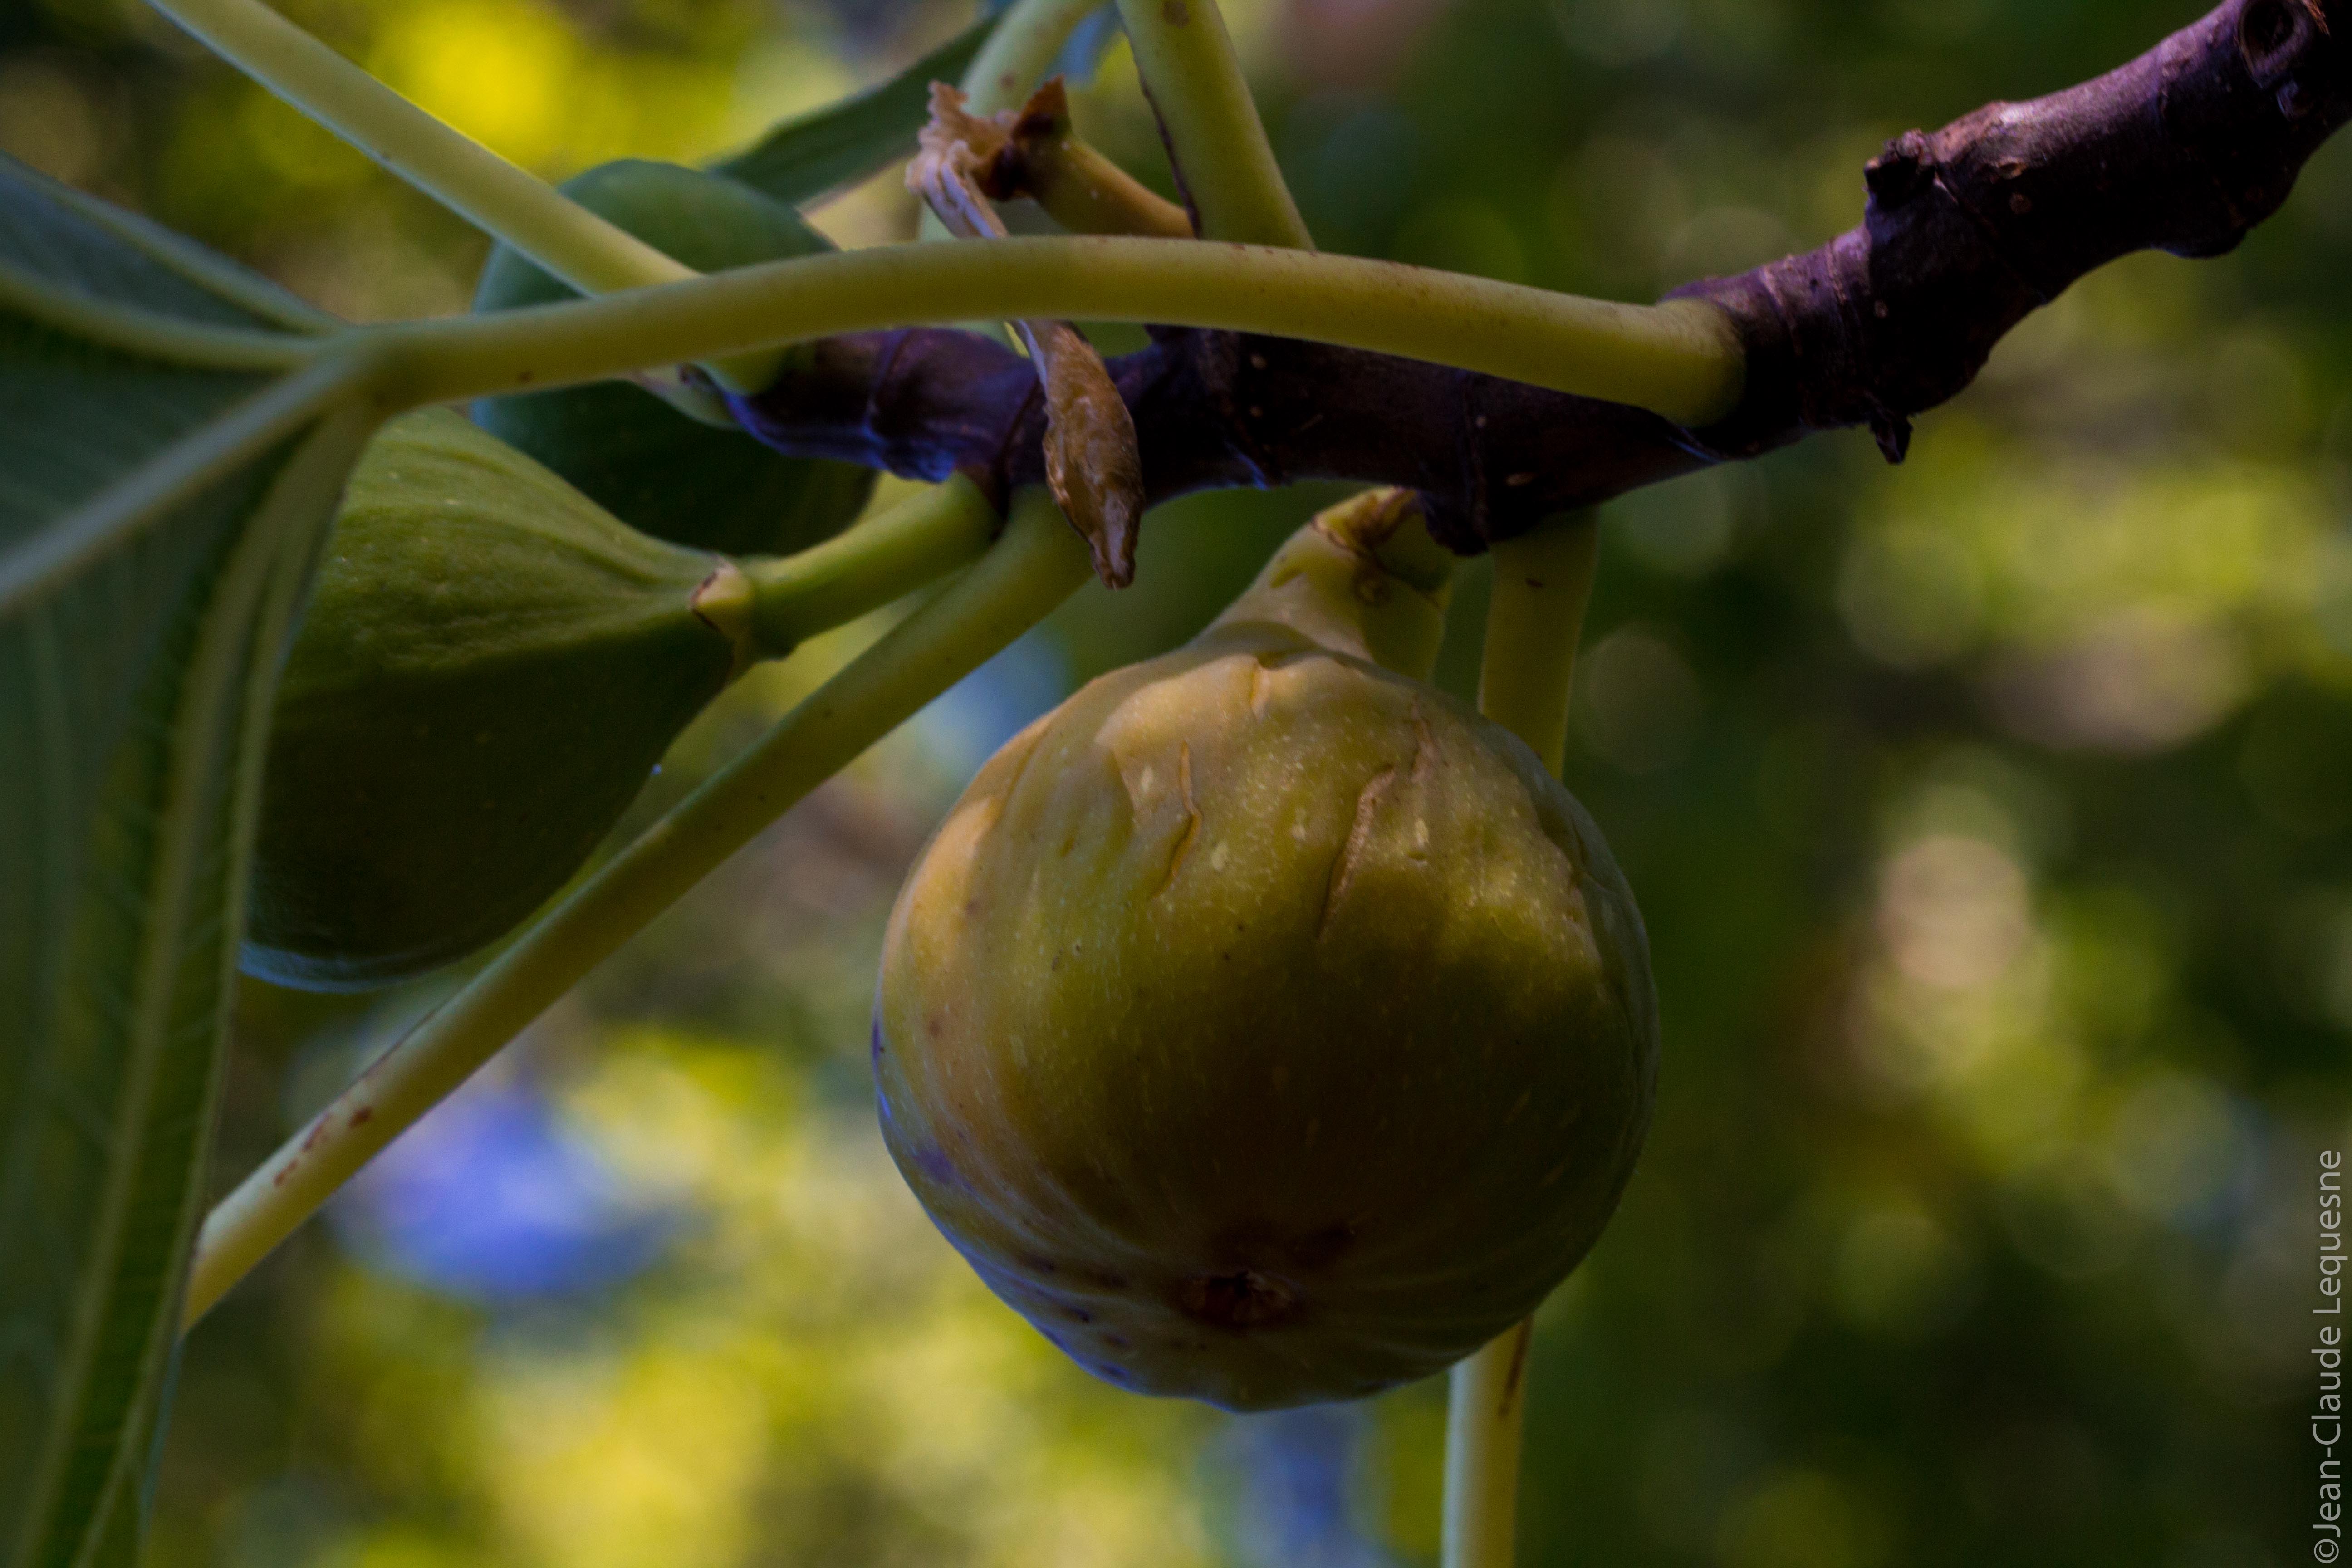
490,667
656,470
1263,1024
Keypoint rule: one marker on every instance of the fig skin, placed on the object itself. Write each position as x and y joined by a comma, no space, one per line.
488,669
1263,1024
655,468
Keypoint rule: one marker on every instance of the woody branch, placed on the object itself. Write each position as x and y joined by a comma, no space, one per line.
1966,230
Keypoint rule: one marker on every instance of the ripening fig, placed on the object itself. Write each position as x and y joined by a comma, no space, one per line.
640,459
488,669
1263,1024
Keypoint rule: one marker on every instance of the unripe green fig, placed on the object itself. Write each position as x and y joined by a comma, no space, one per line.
654,468
488,670
1262,1024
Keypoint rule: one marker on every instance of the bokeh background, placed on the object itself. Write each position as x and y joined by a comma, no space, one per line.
1990,816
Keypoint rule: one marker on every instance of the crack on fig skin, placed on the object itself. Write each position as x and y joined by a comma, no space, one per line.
1343,870
1191,815
1236,1299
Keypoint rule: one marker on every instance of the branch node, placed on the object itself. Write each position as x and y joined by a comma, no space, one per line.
1899,172
1093,464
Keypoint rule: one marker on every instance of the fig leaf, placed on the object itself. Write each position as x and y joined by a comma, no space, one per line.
814,155
159,512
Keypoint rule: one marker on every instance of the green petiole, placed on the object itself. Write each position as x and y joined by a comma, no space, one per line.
1019,53
1216,138
1485,1410
151,335
509,201
1543,583
1681,359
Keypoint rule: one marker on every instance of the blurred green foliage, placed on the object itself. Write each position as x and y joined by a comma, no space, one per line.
1990,815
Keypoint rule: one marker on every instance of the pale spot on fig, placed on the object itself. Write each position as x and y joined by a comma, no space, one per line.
1217,857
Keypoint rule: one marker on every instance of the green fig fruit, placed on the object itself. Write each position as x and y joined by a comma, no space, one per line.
1262,1024
640,459
488,670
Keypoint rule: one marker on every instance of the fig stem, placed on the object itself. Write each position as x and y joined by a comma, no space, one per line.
1363,578
1681,359
1036,562
1216,140
500,196
1543,580
1483,1425
881,558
